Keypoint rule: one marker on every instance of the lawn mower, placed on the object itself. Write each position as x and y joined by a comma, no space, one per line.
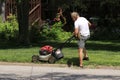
47,53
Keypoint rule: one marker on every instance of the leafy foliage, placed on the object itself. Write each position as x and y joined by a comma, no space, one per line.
48,33
108,25
9,29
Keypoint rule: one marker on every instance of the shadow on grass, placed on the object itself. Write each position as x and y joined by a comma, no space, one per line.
72,61
112,41
89,46
107,47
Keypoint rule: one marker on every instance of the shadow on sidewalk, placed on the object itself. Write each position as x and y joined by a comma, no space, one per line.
59,76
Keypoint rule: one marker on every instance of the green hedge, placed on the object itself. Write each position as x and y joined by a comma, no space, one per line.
9,29
49,33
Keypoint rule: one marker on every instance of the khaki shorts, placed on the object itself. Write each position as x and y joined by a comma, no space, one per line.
82,41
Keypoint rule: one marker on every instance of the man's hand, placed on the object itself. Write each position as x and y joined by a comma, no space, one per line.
74,34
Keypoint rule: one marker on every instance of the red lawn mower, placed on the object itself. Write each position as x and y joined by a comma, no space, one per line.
47,53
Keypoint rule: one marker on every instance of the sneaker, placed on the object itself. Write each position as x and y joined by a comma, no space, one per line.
81,66
86,58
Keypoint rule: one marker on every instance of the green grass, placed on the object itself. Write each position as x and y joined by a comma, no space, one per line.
105,53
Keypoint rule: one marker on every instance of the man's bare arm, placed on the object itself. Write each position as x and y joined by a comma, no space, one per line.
76,32
89,24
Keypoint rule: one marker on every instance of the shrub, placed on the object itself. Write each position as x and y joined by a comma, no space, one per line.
49,33
107,29
108,26
9,29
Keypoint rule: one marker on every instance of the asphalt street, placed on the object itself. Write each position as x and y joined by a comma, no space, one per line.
18,72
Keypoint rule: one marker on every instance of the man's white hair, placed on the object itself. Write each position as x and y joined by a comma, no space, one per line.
74,14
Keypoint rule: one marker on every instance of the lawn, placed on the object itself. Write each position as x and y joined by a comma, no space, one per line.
105,53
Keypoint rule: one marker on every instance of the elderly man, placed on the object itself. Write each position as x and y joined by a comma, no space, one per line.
82,32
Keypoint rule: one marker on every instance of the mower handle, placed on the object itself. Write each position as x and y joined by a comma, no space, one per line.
67,41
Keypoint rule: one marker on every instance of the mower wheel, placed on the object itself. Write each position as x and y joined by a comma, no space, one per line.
35,58
52,60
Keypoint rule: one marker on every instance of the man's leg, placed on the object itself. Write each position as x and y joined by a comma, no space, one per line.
81,56
81,44
85,53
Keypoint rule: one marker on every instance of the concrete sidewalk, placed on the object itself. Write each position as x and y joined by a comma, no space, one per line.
16,72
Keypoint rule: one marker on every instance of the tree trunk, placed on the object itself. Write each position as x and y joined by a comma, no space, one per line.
23,14
2,10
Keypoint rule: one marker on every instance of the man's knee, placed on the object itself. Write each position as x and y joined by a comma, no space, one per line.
80,50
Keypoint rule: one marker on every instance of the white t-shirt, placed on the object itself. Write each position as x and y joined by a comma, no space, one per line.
82,24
